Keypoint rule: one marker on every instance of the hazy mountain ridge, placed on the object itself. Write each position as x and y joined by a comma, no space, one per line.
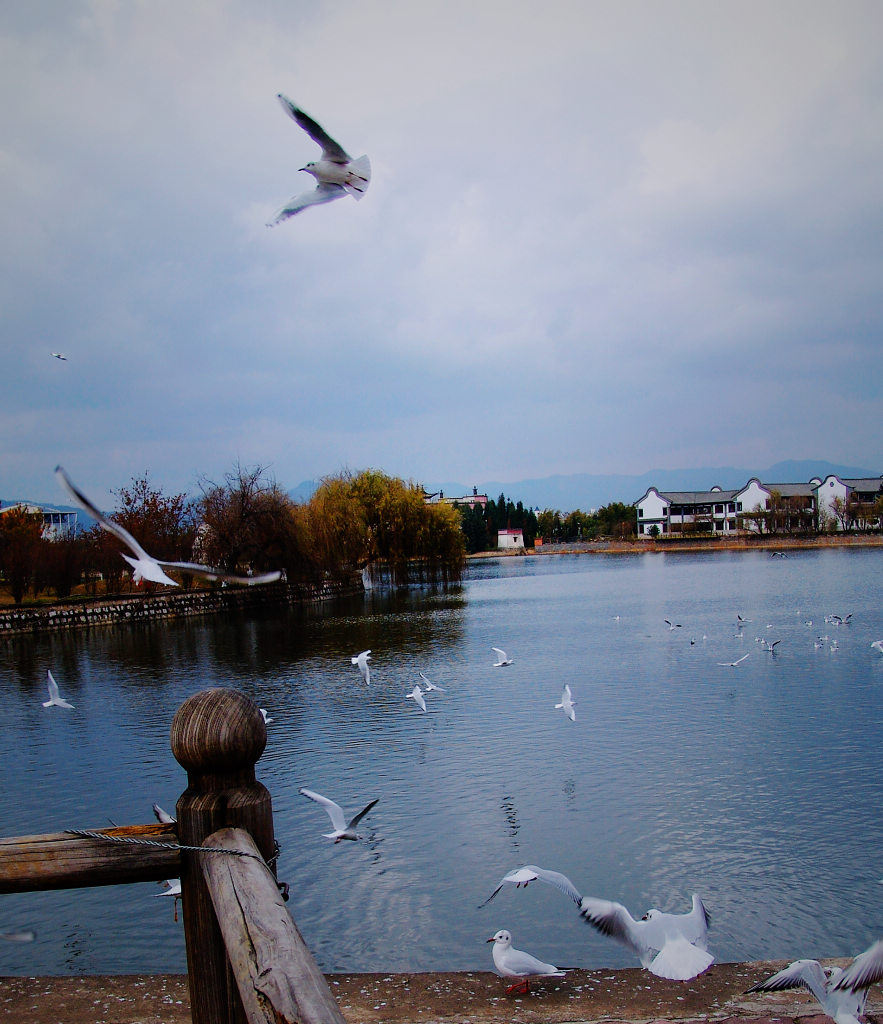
586,490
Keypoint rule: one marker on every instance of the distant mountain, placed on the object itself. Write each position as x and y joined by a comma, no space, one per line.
586,491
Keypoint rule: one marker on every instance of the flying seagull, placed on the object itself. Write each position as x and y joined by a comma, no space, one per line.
514,963
503,659
732,664
163,816
431,686
144,566
522,877
844,1005
342,829
362,661
567,703
59,355
416,695
672,625
336,172
55,698
670,946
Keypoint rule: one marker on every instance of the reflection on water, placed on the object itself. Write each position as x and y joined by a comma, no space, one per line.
756,786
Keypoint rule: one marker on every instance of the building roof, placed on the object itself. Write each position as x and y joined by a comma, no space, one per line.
698,497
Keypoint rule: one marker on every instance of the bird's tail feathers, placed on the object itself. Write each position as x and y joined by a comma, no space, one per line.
680,961
359,177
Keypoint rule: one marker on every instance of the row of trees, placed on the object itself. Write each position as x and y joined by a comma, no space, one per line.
246,523
482,524
614,520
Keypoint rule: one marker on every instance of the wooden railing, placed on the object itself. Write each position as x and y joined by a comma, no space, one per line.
246,960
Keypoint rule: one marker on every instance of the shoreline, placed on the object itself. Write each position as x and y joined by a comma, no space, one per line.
629,995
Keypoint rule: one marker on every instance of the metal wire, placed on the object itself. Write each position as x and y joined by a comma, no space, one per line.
132,841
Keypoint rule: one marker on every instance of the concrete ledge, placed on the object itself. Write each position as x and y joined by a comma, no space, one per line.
630,996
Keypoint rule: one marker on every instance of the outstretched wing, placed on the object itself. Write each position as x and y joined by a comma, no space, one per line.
806,974
324,192
356,818
335,811
215,574
80,499
614,920
331,150
531,873
866,969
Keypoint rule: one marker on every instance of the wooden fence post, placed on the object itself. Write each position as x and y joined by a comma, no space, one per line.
217,736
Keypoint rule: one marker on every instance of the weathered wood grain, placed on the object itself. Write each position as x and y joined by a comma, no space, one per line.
64,861
279,981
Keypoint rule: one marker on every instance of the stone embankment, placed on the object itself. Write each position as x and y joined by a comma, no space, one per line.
631,996
172,605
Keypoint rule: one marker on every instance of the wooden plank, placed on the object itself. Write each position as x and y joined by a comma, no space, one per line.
279,981
64,861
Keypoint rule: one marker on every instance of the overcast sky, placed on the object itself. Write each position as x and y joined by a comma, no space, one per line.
600,237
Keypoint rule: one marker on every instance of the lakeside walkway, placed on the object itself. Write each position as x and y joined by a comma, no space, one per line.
631,996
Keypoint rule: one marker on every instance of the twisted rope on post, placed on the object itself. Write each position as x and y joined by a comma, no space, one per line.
132,841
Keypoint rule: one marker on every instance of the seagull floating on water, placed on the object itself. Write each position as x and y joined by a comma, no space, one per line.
342,829
670,946
144,566
336,172
23,936
55,698
362,661
416,695
567,703
515,963
838,1000
502,656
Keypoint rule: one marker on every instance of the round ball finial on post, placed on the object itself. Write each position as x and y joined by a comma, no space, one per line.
217,735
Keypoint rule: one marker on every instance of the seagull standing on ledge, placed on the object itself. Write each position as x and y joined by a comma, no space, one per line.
336,172
515,963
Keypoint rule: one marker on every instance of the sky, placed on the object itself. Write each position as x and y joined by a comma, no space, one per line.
600,237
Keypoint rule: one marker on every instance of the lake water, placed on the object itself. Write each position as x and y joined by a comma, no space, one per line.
758,787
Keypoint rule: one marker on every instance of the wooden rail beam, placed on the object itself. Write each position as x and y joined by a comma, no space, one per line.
61,860
279,982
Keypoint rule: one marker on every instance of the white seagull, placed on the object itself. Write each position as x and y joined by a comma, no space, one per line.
732,664
59,355
362,661
670,946
416,695
172,888
431,686
503,659
514,963
342,829
567,703
844,1005
265,716
336,172
55,698
23,936
522,877
672,625
163,816
144,566
864,970
878,644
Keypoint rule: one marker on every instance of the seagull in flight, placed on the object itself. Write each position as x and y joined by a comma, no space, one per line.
163,816
342,829
515,963
567,703
837,999
416,695
672,625
878,644
522,877
503,658
336,172
55,698
59,355
362,661
431,686
732,664
144,566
